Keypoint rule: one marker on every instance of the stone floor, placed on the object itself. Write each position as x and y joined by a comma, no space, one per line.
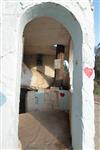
44,131
50,130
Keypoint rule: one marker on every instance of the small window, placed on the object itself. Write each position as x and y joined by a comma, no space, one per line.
39,60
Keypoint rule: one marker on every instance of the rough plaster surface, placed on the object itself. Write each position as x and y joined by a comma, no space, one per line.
26,76
32,78
47,67
48,99
14,14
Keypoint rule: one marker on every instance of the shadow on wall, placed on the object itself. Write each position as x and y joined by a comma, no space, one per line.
34,78
31,80
2,99
45,65
26,76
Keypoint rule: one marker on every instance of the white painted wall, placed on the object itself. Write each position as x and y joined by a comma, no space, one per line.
26,76
48,99
77,17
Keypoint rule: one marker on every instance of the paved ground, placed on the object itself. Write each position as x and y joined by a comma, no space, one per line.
44,131
97,122
48,130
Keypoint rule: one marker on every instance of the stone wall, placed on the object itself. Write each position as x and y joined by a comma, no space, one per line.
41,76
47,68
48,99
77,17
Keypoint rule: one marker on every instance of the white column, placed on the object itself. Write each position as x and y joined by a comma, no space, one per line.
9,106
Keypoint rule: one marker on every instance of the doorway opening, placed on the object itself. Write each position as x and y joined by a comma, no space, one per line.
46,84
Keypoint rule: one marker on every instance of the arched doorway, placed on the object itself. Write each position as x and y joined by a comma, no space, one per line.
71,15
66,18
45,108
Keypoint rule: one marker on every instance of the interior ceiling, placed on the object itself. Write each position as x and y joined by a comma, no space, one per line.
41,34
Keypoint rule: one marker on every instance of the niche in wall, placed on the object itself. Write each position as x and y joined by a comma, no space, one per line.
39,60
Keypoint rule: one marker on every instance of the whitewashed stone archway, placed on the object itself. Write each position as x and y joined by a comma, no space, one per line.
82,101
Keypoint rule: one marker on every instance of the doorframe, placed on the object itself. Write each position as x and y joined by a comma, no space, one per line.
68,20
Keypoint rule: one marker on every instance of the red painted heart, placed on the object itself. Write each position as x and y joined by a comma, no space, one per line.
88,71
62,94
